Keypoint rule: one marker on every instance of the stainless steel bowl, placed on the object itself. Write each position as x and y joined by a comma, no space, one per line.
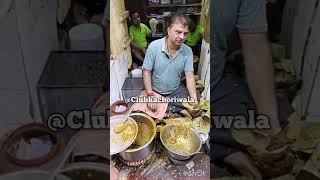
144,151
194,141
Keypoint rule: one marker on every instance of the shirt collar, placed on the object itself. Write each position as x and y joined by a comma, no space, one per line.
164,48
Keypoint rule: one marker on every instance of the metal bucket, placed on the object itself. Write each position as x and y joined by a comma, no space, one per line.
195,141
86,37
144,151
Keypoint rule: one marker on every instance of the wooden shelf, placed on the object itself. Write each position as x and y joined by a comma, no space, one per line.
196,14
174,5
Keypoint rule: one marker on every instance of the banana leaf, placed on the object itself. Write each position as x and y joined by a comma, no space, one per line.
311,170
250,139
204,104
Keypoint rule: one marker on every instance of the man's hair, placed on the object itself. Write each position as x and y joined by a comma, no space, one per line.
179,18
133,12
193,18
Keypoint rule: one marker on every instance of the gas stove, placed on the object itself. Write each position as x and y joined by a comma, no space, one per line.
140,162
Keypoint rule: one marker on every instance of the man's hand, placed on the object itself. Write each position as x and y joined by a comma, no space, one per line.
150,105
194,110
274,130
196,103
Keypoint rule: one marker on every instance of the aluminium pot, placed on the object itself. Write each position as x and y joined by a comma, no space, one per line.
141,153
195,140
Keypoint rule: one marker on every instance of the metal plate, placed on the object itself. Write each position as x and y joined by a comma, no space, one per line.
117,145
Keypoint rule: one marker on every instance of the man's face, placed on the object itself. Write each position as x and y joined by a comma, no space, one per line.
136,19
177,33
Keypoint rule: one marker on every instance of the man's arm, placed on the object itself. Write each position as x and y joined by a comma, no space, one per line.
260,75
137,47
148,87
147,69
147,80
191,85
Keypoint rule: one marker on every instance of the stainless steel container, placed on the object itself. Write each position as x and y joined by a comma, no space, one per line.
144,151
132,87
195,140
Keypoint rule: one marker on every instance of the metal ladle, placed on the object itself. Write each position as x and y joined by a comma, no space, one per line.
120,127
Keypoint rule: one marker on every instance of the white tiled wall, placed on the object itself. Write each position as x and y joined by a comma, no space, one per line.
13,110
118,74
204,68
27,34
38,31
13,87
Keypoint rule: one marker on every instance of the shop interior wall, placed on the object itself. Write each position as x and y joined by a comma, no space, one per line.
28,34
304,51
119,47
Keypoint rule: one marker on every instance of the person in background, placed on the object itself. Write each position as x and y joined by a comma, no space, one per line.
138,33
195,35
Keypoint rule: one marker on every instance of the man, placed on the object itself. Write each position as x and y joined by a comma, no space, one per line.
247,20
138,32
165,62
